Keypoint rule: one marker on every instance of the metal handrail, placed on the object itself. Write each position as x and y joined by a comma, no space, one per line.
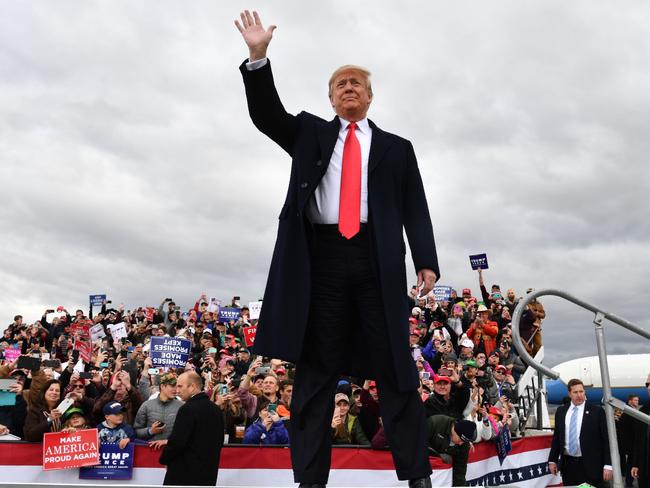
609,401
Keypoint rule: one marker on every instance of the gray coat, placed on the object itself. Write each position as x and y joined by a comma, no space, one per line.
153,410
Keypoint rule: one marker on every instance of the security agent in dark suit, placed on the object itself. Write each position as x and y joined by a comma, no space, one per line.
194,446
641,447
580,446
343,277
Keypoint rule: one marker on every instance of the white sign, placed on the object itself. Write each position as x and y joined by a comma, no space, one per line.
97,332
214,304
118,331
255,308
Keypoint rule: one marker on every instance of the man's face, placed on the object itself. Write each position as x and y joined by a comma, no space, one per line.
269,385
184,388
466,352
372,390
633,402
442,388
647,384
471,372
350,96
577,394
285,394
167,390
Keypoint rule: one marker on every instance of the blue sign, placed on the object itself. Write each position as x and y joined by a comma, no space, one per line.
114,463
504,446
169,352
442,293
97,300
478,261
227,314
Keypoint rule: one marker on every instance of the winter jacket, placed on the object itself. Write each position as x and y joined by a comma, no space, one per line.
256,433
156,410
350,433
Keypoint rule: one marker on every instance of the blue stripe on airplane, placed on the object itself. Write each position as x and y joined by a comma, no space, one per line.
556,392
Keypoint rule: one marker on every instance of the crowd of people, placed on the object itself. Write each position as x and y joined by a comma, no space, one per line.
462,347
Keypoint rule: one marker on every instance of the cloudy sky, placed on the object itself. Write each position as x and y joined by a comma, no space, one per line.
129,165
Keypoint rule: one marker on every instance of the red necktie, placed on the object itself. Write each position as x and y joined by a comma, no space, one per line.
350,200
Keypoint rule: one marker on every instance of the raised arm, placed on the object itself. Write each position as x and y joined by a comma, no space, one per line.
264,105
256,37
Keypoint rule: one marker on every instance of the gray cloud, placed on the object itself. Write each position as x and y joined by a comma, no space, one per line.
130,165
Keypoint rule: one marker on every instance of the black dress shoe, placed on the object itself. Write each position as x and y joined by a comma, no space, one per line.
420,483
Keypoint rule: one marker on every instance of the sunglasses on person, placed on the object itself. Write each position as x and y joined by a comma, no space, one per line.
78,387
647,385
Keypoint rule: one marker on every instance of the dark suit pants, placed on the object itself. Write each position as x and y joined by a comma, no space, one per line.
574,473
345,294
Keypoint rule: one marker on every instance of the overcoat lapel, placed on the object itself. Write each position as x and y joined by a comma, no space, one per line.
380,143
327,135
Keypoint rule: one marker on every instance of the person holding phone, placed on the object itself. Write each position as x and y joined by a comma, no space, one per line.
268,428
121,390
12,417
346,428
155,418
42,415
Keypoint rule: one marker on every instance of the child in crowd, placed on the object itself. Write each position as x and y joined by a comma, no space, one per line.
113,429
74,420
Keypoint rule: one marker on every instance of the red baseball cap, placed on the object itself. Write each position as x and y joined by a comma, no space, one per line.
438,378
372,384
467,291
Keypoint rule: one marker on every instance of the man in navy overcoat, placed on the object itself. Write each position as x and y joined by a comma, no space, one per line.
337,303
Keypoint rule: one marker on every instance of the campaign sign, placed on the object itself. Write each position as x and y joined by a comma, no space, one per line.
255,308
97,332
85,349
11,354
504,446
70,450
478,261
249,335
118,331
214,304
227,314
97,300
170,352
442,293
148,314
114,463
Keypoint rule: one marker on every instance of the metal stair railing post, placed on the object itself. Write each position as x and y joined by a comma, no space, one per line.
609,401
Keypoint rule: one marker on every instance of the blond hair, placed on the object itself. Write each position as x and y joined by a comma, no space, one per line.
350,67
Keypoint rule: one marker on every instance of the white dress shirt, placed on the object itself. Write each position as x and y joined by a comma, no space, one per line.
567,423
323,206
